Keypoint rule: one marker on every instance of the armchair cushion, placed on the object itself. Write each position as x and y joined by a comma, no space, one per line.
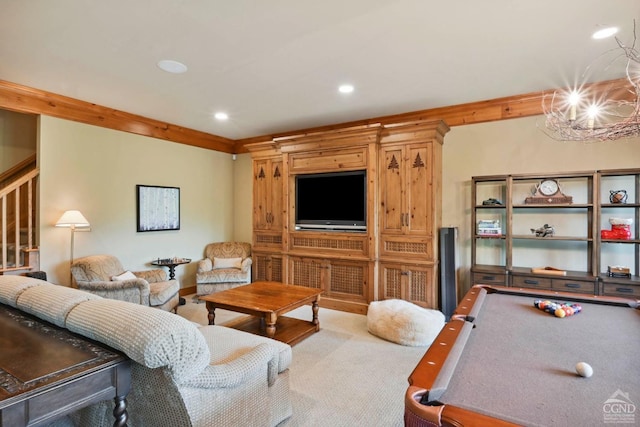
227,263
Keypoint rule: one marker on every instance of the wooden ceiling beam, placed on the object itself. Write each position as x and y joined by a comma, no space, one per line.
24,99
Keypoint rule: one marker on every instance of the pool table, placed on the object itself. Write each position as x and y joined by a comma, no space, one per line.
500,361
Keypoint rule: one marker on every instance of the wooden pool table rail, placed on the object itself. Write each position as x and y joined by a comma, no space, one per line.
430,378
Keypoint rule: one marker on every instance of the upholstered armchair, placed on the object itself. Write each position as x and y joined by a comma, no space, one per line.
104,275
225,265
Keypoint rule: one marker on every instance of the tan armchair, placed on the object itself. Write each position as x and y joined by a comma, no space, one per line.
104,275
226,265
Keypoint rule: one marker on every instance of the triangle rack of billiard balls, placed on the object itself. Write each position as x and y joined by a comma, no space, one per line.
558,309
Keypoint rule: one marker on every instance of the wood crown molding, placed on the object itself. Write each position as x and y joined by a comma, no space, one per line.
24,99
510,107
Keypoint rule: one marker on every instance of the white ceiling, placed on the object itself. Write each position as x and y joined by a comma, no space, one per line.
275,66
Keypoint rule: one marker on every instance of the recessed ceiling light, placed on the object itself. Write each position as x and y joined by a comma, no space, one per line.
221,116
171,66
604,33
345,88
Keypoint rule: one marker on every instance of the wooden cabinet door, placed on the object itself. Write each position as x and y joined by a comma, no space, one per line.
309,272
392,208
406,190
418,189
261,199
348,280
275,219
267,194
412,283
267,267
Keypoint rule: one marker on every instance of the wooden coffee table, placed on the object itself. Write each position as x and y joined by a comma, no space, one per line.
266,302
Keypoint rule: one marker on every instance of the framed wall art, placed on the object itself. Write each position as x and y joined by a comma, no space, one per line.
158,208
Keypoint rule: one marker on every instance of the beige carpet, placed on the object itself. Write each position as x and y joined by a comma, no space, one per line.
342,375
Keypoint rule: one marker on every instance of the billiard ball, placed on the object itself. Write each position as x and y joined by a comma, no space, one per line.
584,369
560,312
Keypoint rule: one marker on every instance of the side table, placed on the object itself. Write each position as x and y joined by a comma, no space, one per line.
171,264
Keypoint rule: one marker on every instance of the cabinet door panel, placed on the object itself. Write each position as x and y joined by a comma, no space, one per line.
349,279
391,281
266,267
419,189
420,287
392,189
275,194
261,206
413,283
306,272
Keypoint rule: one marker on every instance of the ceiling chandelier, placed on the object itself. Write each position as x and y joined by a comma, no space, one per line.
584,115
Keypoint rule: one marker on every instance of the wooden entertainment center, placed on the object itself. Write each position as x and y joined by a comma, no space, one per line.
397,255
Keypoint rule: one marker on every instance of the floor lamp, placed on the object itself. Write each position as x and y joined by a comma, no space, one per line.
73,220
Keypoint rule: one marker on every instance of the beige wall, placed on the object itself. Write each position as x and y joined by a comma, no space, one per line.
243,199
95,170
18,138
514,146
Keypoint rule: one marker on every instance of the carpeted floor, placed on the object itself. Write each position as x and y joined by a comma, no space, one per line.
342,375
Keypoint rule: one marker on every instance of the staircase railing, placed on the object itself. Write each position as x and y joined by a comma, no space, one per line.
17,213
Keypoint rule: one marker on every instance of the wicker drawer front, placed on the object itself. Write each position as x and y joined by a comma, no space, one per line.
579,286
489,279
621,290
403,248
531,282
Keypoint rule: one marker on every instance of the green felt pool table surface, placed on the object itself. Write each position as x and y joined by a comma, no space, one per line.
502,357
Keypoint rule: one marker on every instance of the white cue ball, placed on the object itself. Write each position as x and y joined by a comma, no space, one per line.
584,369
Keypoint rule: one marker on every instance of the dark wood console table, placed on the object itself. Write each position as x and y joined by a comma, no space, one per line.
172,263
47,372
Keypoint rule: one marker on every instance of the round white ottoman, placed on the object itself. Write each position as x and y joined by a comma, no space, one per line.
404,323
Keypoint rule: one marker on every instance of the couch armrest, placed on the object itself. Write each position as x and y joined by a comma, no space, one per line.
134,290
259,361
205,265
152,276
246,264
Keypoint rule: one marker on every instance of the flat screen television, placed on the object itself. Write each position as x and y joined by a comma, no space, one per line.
332,201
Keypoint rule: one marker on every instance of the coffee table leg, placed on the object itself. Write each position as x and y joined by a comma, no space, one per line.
271,319
314,308
212,313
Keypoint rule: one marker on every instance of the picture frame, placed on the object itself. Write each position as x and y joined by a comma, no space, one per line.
158,208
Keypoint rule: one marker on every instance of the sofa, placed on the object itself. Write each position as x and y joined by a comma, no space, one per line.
226,265
104,275
183,374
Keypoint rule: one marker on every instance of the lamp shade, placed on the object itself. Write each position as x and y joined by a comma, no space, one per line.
72,219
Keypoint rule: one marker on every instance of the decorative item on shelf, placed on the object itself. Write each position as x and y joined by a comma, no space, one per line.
548,192
544,231
618,271
489,227
620,229
549,270
618,196
491,202
612,115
